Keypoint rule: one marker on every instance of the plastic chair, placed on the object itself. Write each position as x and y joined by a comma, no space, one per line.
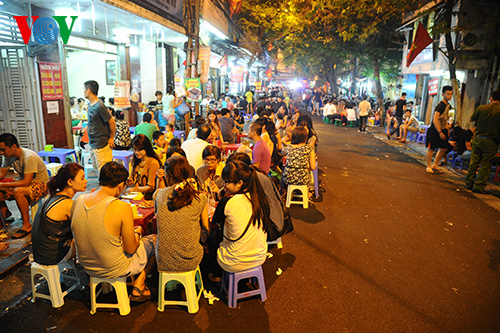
338,122
190,280
230,281
304,199
52,168
53,275
120,286
87,164
457,160
422,135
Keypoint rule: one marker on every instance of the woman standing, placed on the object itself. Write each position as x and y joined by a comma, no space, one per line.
300,158
168,113
182,217
51,234
143,167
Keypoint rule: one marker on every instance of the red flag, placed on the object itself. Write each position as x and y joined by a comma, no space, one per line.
269,73
184,63
223,61
421,41
235,6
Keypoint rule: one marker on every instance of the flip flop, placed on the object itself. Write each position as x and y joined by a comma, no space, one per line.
141,297
22,233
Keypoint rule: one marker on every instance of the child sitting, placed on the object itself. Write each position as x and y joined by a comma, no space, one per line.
169,133
160,145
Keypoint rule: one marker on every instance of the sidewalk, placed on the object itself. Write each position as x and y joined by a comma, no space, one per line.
453,175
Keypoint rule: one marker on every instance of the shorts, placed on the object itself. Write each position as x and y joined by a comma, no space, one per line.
433,139
171,118
141,256
37,191
101,156
412,129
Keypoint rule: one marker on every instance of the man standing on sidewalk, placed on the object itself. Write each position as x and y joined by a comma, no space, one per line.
400,109
101,127
364,109
437,134
485,143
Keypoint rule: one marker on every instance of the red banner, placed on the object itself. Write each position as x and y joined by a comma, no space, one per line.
51,77
204,57
433,87
237,74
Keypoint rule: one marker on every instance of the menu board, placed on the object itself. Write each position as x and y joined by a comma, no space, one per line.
193,88
51,78
122,94
433,87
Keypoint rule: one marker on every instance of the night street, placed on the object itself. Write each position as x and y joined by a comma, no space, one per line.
387,247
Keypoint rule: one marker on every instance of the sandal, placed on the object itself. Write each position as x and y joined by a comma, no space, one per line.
429,170
20,234
141,297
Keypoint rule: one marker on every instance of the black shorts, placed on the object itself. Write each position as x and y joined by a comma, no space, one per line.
434,141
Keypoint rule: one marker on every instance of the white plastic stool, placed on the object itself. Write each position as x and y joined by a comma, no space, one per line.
304,199
53,275
276,242
190,280
87,164
52,168
120,286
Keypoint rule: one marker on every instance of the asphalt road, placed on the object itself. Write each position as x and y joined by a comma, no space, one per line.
386,247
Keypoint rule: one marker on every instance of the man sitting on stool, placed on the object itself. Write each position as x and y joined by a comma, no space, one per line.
30,187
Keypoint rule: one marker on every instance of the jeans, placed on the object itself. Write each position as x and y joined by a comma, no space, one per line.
362,123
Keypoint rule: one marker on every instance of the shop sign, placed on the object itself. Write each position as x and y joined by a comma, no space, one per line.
209,87
433,87
204,57
51,77
122,94
45,29
237,74
170,9
233,87
193,88
179,86
258,86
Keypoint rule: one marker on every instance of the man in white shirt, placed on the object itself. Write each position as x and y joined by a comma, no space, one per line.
364,109
410,125
194,148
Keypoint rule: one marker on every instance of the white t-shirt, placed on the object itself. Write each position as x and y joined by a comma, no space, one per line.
364,106
194,150
327,110
29,162
167,105
414,122
351,115
248,252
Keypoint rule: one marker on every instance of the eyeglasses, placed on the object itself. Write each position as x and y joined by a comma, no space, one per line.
211,160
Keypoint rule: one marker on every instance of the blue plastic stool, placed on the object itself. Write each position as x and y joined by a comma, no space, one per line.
230,285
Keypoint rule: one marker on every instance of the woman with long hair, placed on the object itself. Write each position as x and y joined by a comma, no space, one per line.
244,213
182,217
300,158
312,137
168,113
143,167
214,122
51,233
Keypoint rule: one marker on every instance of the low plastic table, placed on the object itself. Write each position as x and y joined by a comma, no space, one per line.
60,153
124,156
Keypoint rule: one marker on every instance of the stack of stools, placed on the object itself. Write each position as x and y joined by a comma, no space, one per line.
230,281
53,275
190,280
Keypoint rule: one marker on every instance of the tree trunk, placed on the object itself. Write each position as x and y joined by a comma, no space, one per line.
378,88
451,51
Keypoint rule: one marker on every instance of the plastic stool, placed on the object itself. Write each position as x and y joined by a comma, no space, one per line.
52,168
190,280
352,123
338,122
276,242
87,165
231,281
304,201
53,275
120,286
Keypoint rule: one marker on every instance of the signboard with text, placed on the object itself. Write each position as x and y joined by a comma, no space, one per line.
51,78
172,10
237,74
204,57
433,87
193,88
122,94
258,86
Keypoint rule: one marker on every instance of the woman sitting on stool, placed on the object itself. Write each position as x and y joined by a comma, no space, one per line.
51,234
